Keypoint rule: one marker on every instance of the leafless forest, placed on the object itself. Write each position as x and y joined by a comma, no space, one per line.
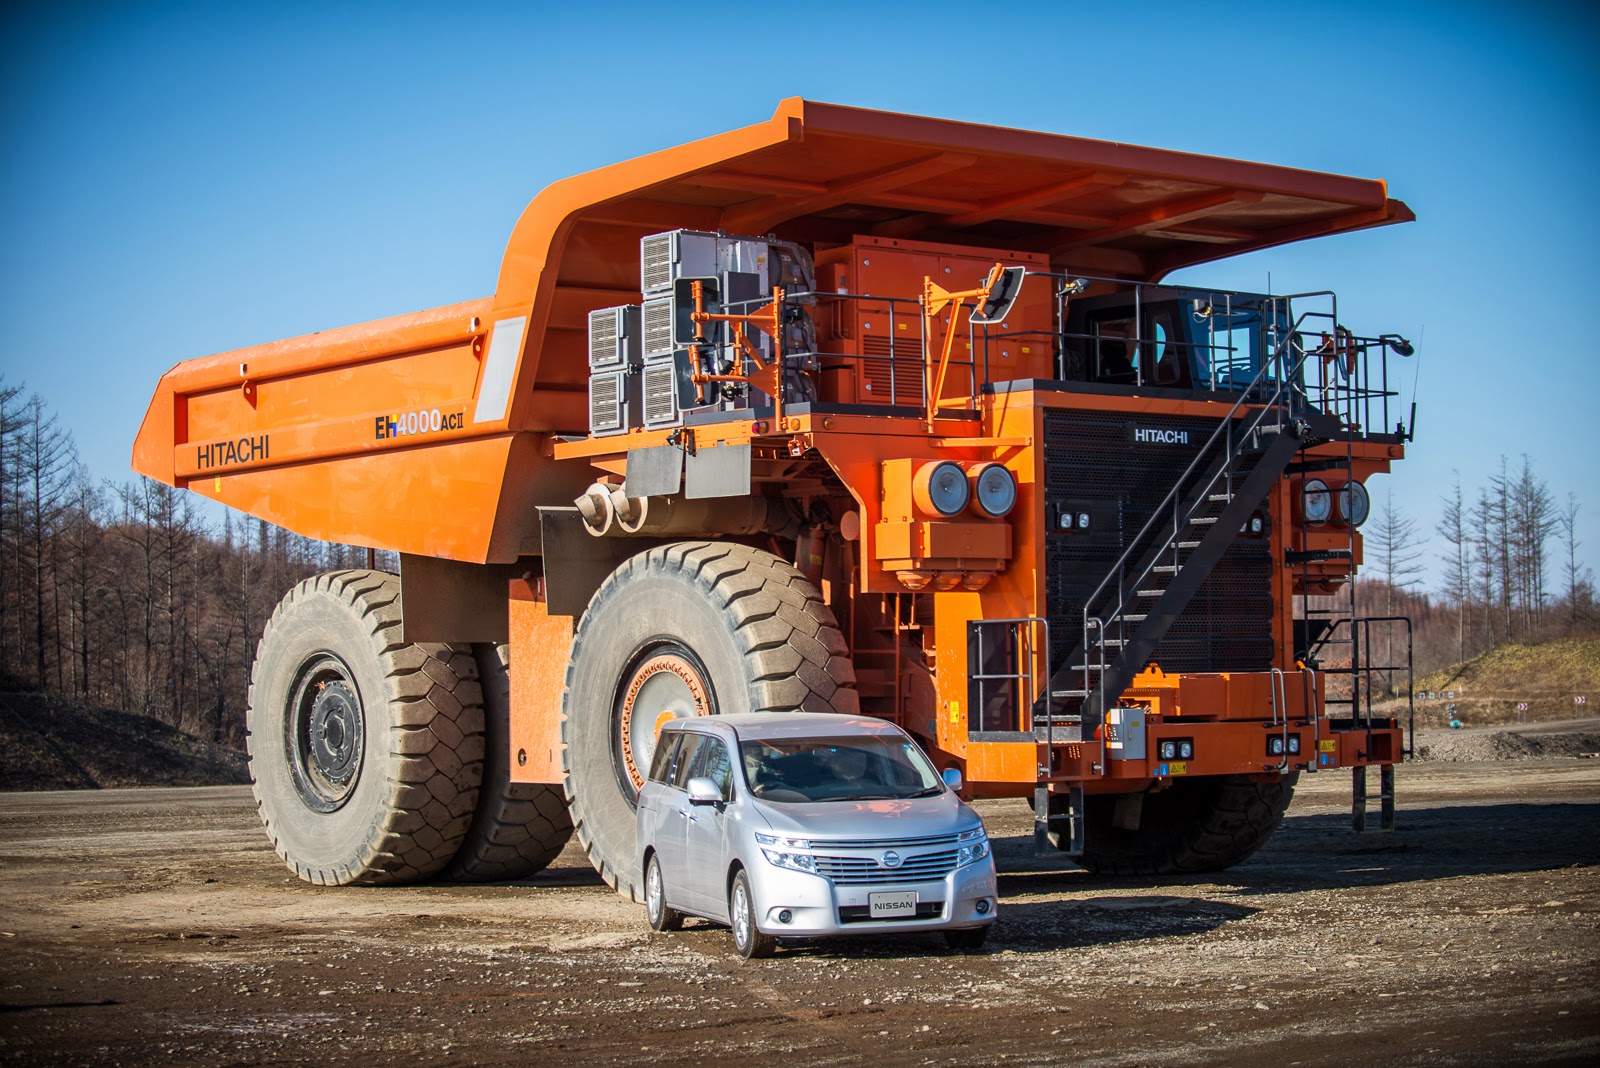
119,594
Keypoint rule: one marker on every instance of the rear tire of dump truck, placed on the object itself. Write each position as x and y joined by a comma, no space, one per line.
365,751
518,828
692,628
1194,826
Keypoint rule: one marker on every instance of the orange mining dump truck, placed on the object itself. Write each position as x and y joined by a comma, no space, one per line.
843,411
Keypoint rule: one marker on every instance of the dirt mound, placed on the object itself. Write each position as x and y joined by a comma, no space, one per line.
1457,747
49,743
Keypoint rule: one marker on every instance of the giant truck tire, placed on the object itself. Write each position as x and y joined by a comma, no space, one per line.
518,828
1196,825
692,628
365,751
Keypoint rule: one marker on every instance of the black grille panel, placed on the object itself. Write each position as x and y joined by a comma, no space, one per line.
1095,463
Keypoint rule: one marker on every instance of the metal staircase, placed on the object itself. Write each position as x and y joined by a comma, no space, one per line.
1164,565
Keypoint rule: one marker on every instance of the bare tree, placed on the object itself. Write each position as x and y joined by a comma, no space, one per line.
1458,565
1578,583
46,461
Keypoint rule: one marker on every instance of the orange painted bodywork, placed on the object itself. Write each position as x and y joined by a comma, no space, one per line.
441,433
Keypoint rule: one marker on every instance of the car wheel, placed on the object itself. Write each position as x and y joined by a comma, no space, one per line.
662,917
747,937
966,938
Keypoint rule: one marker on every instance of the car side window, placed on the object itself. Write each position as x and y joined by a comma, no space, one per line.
687,756
666,751
716,765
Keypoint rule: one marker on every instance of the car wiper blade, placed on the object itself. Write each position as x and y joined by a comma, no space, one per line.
929,792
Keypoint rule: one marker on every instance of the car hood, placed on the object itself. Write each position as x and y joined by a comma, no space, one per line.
916,818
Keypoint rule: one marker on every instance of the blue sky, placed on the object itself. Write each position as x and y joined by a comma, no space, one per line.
181,179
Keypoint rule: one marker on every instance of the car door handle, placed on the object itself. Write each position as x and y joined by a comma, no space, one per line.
686,814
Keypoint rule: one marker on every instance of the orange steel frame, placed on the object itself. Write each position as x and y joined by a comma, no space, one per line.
441,433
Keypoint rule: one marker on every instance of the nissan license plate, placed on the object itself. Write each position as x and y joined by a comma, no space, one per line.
892,906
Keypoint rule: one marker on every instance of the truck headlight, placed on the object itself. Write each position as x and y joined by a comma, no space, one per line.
1354,504
1316,503
994,489
941,488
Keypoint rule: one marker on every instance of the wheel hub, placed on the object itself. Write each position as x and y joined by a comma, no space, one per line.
326,735
665,686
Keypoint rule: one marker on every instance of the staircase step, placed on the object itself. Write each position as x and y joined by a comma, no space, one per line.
1165,569
1202,520
1136,617
1112,641
1183,544
1069,693
1220,497
1148,593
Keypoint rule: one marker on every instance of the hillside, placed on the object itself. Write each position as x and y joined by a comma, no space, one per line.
1516,683
49,743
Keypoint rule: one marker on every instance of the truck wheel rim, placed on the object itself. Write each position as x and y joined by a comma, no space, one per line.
666,683
326,735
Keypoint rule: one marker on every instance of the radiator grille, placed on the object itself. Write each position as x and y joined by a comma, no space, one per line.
1092,462
906,382
660,396
605,402
655,263
926,910
863,871
657,328
604,349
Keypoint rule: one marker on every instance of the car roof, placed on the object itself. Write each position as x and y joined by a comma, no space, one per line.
775,725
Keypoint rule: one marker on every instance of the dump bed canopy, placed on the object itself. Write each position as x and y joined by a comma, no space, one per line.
421,432
820,173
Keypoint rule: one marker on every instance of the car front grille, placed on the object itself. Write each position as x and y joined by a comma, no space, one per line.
887,843
864,871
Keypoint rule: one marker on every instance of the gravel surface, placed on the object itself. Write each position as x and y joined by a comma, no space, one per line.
155,927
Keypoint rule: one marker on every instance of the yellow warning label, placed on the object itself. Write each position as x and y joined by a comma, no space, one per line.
1327,745
1178,769
955,711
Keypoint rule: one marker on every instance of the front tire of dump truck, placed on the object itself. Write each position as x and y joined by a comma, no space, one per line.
365,751
1195,825
518,828
692,628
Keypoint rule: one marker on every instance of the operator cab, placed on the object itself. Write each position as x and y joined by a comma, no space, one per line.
1170,337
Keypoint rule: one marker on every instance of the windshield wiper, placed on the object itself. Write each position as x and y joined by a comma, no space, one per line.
929,792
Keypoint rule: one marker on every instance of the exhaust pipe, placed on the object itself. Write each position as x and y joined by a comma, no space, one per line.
608,512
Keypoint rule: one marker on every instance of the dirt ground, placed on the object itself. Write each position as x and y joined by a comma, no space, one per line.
155,927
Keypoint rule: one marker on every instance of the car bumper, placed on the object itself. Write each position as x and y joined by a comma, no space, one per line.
966,897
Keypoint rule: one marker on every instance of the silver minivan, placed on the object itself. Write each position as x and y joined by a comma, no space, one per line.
799,825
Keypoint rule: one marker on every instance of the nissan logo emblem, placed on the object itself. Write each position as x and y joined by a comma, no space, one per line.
890,859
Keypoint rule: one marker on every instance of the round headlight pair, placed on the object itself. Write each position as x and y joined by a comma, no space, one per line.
946,488
1317,502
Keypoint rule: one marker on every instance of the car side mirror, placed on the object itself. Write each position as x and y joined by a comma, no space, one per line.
702,791
952,778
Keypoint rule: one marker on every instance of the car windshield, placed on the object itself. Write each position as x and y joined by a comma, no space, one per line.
838,769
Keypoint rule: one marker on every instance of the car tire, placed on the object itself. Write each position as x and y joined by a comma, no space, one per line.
748,941
662,916
715,627
963,939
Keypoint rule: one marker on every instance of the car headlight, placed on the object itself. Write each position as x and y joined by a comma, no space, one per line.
972,846
994,489
940,488
779,840
1316,503
1354,504
793,861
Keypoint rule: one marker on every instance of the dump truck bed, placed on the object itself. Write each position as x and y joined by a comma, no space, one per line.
431,433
